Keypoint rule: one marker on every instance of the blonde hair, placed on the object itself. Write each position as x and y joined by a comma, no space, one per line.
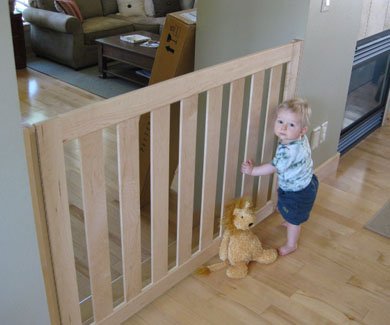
299,106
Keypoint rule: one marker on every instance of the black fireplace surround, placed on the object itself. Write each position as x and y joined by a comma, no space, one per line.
368,90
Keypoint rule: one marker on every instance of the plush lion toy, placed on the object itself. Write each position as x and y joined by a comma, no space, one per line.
239,244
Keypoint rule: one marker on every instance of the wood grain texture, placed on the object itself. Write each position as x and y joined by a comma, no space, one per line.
253,128
186,172
210,164
112,111
292,71
30,142
269,138
236,98
159,147
51,155
96,224
130,212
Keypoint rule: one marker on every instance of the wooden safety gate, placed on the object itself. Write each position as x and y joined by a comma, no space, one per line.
237,99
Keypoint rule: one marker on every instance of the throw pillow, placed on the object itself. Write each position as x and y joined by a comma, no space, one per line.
68,7
109,7
149,8
42,4
163,7
131,7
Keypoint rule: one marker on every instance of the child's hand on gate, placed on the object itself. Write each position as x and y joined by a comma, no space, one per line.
247,167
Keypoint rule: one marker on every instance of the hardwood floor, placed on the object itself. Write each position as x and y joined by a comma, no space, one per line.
42,97
340,274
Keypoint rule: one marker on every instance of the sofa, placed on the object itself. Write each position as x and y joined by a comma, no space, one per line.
69,39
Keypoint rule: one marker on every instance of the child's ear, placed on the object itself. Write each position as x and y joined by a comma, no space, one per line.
304,130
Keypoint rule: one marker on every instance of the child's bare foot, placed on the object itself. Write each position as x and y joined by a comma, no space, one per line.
284,250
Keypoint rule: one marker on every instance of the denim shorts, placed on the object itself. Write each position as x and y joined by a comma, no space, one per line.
295,207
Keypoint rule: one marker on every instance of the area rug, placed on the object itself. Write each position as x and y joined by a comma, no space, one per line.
87,79
381,221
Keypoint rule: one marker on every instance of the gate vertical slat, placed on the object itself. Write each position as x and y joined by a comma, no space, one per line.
186,179
289,90
292,71
96,224
236,99
269,137
32,157
159,145
210,165
253,128
129,204
51,154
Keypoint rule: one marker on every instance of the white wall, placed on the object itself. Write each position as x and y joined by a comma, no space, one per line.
22,295
329,44
375,17
230,29
326,67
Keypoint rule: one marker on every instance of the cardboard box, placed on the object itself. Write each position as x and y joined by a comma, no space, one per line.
174,57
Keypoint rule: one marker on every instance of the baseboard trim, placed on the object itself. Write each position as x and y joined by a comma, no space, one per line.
328,168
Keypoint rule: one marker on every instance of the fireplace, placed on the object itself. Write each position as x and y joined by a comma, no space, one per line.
368,90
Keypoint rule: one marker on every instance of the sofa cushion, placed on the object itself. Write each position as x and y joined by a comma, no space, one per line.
131,7
164,7
98,27
149,8
68,7
42,4
90,8
148,24
109,7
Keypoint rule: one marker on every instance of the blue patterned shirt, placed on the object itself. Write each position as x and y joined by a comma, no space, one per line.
293,164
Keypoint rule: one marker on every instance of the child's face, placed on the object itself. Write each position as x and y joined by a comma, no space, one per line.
288,126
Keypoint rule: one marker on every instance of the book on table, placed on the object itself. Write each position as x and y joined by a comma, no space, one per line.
143,73
151,43
135,38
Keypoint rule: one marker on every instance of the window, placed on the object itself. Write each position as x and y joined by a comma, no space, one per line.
20,5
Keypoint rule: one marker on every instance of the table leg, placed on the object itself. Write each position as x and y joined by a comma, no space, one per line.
102,62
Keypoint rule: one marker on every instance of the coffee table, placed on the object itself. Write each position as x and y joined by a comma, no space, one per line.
128,57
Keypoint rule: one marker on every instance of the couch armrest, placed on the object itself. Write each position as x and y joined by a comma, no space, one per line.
52,20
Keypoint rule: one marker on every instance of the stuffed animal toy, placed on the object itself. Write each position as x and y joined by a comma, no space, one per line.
239,244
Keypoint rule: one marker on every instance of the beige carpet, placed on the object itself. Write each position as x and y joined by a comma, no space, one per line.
381,221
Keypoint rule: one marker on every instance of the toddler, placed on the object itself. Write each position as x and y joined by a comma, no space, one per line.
294,166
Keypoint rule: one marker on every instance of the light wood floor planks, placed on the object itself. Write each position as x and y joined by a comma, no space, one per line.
339,275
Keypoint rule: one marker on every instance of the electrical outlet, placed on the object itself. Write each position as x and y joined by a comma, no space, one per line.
315,137
324,130
325,5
